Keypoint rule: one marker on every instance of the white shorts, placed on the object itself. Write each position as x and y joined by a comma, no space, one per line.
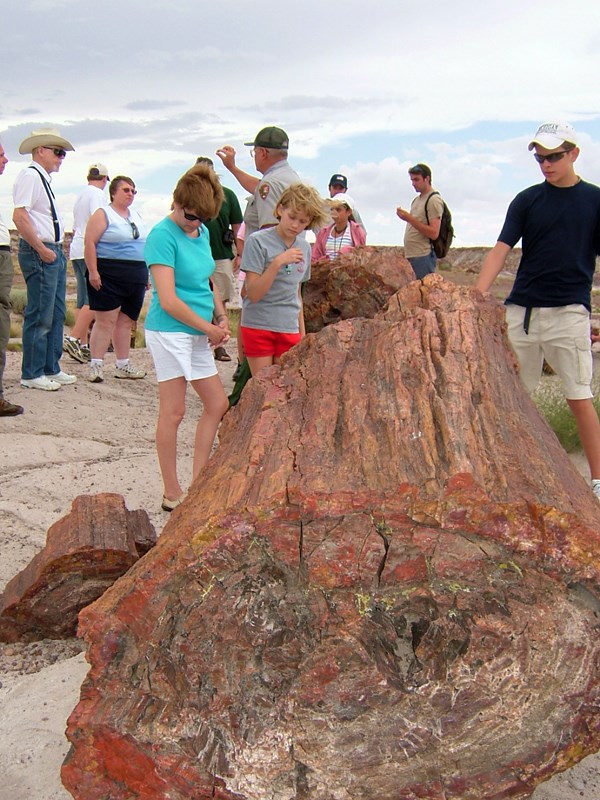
560,335
180,355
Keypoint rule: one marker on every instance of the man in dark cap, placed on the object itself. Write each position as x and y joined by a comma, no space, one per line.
338,184
270,151
223,232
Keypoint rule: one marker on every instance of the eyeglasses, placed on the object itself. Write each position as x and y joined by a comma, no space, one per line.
134,230
192,217
58,151
551,158
128,190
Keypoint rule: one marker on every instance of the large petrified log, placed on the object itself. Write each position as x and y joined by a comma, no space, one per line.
356,284
383,587
85,552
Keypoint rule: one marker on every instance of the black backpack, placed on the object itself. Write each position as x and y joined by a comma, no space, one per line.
441,245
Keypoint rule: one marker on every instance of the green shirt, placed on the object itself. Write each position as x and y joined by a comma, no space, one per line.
230,214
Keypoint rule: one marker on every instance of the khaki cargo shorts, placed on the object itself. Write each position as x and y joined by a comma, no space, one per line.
560,335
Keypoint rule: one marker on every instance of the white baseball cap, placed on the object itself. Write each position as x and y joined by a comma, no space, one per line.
342,197
551,135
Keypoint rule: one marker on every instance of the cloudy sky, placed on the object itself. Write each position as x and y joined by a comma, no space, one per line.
362,88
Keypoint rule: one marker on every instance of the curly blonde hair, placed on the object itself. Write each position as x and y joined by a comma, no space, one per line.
305,200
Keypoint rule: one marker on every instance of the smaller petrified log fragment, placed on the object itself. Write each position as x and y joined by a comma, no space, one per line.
356,284
85,552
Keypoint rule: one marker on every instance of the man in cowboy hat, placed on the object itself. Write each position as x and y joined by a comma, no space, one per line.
270,151
42,261
6,274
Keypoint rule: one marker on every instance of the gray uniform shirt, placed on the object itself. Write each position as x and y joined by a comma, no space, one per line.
278,310
260,210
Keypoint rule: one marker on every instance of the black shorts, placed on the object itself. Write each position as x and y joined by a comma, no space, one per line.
124,285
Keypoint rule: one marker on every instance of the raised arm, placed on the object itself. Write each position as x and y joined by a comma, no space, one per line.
247,181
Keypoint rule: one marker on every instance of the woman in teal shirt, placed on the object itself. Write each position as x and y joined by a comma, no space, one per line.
179,328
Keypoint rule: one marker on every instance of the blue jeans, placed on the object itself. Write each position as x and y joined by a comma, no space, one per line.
45,311
80,270
423,265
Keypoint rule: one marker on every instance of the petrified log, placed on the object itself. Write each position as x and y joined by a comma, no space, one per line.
383,587
356,284
85,552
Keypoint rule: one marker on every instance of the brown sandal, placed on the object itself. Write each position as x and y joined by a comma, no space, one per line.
221,354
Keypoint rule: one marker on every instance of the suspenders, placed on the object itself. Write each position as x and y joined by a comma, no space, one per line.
51,198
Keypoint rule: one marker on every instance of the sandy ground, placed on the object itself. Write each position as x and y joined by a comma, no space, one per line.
89,438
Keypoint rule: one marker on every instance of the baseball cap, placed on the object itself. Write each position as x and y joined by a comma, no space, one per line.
97,171
552,134
271,137
339,180
342,197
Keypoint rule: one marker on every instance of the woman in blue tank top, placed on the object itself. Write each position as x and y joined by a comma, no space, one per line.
117,278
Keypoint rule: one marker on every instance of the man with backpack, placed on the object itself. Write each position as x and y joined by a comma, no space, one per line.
423,223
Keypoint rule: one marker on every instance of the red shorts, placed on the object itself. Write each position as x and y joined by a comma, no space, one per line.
260,344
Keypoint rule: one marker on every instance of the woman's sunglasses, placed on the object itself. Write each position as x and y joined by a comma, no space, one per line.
192,217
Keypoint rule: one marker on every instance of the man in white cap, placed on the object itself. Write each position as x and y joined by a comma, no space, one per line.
270,151
90,199
548,308
6,275
42,261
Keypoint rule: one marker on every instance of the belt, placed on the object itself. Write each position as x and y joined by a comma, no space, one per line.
5,248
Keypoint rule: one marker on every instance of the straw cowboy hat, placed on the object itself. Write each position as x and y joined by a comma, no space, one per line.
44,137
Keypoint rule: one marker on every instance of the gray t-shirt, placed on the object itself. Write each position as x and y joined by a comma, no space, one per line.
260,210
278,310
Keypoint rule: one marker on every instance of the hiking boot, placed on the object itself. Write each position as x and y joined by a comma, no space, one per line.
85,352
9,409
43,382
73,348
96,373
129,371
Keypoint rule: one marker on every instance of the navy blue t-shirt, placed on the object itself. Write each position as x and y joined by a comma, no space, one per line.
560,229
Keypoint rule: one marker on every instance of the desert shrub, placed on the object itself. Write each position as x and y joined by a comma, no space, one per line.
234,316
18,300
552,405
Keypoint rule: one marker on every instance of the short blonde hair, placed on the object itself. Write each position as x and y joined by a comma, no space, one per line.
200,190
304,199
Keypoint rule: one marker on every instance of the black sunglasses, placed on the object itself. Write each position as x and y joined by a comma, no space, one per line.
192,217
551,159
134,230
58,151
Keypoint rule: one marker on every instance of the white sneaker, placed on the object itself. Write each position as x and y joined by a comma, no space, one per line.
129,371
62,378
43,382
96,374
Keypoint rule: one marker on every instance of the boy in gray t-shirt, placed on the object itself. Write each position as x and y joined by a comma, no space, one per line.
276,262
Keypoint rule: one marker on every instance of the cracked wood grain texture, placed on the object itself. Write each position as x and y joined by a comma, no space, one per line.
383,587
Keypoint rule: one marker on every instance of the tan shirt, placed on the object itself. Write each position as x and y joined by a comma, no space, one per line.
415,244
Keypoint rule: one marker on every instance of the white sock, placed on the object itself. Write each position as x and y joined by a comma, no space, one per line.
98,361
122,362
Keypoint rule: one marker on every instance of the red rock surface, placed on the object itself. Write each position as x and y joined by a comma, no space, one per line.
355,284
85,552
383,587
